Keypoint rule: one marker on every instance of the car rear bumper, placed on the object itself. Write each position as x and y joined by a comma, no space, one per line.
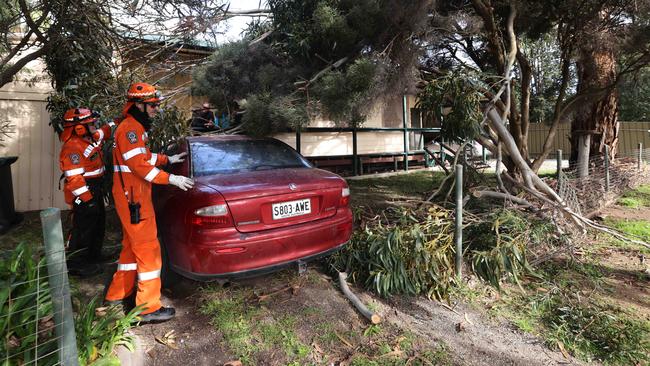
253,272
230,254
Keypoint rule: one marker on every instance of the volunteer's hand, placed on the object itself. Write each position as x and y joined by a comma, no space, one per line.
89,206
181,182
178,158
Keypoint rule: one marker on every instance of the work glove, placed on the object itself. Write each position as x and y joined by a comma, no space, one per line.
178,158
89,206
180,181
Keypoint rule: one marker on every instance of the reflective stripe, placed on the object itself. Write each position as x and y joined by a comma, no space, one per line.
127,266
131,153
121,168
94,172
71,172
146,276
89,150
154,158
101,134
152,174
80,191
111,123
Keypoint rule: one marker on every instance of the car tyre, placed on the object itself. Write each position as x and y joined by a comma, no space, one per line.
167,275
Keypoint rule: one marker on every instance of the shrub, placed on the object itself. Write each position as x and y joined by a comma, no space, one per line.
26,317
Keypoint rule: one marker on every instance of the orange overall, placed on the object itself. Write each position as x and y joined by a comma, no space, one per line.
134,172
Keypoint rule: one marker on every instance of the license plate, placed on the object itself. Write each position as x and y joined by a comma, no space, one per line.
290,209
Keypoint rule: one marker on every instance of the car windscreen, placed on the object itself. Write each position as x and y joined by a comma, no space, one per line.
221,156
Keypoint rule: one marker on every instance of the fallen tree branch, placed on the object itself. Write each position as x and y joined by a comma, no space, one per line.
577,218
502,196
374,318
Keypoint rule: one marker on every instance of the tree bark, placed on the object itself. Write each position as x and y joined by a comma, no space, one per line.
584,147
598,113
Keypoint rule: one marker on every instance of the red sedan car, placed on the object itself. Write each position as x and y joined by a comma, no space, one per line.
257,206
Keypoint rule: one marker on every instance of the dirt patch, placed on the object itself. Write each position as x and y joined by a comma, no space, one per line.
335,332
474,338
626,213
626,268
195,342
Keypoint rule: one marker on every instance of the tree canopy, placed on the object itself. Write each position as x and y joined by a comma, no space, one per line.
315,57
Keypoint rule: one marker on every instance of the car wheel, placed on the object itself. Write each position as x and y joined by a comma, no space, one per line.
167,275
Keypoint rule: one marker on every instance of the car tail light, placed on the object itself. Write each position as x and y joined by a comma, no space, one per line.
345,197
216,215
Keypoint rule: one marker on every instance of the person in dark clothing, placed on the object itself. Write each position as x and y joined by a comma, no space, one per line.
203,119
82,165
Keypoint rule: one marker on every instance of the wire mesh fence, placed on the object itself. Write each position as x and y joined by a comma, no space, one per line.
587,192
35,304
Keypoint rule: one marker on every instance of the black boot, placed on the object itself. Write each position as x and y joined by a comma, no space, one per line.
161,315
126,304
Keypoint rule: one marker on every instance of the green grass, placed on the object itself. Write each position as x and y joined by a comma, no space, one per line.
249,329
566,309
639,229
415,183
637,198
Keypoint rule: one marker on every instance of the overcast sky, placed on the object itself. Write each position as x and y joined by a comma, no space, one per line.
235,26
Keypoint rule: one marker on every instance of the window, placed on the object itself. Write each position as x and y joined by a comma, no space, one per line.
233,156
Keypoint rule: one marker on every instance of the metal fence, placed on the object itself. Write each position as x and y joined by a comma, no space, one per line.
36,319
605,180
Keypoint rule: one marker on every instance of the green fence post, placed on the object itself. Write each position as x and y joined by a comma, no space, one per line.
404,119
298,140
59,286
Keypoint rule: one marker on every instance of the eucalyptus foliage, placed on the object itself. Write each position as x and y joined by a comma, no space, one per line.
316,57
168,128
498,246
455,99
413,253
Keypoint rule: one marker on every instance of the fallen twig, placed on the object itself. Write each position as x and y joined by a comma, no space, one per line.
345,341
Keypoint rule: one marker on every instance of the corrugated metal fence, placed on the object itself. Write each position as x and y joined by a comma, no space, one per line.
630,135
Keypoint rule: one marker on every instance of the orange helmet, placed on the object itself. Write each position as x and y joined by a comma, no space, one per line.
143,93
78,116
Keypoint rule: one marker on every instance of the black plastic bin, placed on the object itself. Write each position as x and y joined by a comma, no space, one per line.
8,215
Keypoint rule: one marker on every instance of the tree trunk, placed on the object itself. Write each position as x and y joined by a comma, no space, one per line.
598,112
584,147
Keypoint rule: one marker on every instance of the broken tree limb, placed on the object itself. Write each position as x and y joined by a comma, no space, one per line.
580,220
502,196
374,318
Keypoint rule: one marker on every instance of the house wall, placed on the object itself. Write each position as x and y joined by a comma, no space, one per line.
385,113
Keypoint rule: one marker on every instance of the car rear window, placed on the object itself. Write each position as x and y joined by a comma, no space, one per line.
218,157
